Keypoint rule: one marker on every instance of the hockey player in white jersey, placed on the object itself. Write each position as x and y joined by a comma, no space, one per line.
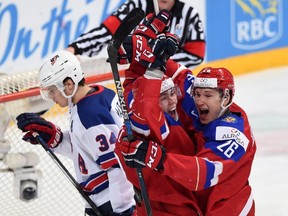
95,120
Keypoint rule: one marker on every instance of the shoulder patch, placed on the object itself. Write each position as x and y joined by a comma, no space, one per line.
230,133
229,119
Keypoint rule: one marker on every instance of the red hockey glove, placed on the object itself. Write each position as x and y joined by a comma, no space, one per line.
155,50
140,153
160,50
151,57
51,134
131,49
135,44
154,25
136,49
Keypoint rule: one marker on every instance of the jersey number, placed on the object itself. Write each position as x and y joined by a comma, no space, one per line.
104,144
228,148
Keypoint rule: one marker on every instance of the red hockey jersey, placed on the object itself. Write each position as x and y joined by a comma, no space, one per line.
167,197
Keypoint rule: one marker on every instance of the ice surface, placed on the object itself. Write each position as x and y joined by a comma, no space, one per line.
264,96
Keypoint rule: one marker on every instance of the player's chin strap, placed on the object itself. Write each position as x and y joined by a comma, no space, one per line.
224,108
69,97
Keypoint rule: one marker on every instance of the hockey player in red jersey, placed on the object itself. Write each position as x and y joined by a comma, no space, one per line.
153,116
95,121
220,170
218,173
185,22
152,103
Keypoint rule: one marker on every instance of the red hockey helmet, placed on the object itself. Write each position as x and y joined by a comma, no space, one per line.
219,78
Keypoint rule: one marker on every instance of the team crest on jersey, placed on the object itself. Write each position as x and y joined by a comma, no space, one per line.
229,119
256,23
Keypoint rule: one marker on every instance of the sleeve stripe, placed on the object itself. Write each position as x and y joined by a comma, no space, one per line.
107,160
110,163
198,174
112,23
214,169
96,183
164,130
140,128
247,206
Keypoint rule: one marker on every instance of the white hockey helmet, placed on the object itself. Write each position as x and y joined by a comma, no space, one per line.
167,83
55,70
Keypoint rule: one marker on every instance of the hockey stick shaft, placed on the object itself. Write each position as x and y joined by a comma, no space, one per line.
127,25
66,172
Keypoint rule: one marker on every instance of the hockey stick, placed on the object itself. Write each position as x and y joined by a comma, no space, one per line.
66,172
127,25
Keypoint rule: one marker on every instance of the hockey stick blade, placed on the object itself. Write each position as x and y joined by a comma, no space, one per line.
127,25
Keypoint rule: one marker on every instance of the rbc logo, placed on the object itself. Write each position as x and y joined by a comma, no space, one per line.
255,23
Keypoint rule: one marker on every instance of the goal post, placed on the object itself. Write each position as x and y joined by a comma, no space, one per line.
56,195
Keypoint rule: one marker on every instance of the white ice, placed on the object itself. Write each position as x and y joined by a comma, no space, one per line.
264,96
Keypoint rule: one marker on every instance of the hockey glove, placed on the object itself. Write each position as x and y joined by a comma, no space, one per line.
125,51
154,25
159,51
134,45
172,43
131,49
31,122
140,153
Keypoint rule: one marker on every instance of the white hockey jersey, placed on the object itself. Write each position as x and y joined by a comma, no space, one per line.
94,125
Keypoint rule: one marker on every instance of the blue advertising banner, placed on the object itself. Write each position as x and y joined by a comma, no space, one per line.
29,36
238,27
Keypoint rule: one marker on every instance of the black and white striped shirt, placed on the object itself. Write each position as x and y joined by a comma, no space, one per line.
185,22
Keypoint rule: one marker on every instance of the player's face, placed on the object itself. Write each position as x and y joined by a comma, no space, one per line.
54,94
168,101
208,102
166,4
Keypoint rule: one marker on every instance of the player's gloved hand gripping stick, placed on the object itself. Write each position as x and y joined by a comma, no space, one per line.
41,131
127,25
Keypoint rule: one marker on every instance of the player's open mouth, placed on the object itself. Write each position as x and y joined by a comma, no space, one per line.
172,113
203,112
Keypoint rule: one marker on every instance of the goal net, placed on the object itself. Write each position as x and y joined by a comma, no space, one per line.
55,193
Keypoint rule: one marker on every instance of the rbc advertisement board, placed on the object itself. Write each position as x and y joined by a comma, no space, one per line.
32,30
245,26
